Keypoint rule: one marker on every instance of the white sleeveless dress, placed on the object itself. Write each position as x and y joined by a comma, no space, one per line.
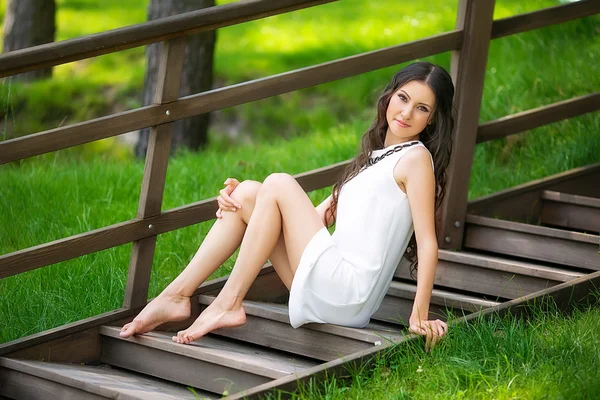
343,278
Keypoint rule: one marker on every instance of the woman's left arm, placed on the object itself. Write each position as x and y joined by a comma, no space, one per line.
415,172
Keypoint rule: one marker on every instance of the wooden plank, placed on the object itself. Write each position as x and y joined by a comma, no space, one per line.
18,385
397,310
493,276
534,242
155,172
523,202
180,25
567,295
468,72
99,382
545,17
570,211
128,231
100,128
212,350
537,117
177,368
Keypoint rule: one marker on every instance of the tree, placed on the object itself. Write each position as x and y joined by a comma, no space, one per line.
197,75
29,23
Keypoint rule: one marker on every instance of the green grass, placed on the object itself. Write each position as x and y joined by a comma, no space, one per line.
91,186
550,356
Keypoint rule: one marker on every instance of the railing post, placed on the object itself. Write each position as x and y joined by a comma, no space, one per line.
155,171
475,18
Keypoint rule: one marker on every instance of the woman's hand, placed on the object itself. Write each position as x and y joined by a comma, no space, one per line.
226,203
432,330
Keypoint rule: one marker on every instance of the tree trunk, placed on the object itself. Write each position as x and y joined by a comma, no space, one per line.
197,75
29,23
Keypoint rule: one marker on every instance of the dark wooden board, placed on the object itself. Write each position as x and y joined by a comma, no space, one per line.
570,211
214,350
534,118
98,382
545,17
468,74
184,24
533,242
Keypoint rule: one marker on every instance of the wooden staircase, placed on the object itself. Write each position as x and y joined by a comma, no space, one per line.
503,261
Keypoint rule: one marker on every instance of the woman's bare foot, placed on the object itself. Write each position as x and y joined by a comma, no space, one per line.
163,308
214,317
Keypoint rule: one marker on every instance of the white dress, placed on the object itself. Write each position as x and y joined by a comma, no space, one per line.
343,278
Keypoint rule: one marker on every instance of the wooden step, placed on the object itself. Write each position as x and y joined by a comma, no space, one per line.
397,305
570,211
25,379
210,363
267,324
534,242
492,276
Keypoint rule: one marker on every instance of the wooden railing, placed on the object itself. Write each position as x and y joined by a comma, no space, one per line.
469,42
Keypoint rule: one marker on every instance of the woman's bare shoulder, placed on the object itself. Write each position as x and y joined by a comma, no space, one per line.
416,161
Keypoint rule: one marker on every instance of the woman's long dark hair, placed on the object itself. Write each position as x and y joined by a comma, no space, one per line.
436,137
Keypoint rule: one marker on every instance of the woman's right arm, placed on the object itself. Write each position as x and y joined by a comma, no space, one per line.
322,210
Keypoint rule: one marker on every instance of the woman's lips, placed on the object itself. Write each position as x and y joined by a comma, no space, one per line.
402,124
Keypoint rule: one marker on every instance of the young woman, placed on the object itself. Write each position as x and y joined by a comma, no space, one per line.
383,207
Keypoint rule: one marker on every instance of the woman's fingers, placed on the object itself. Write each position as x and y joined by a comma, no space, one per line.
432,330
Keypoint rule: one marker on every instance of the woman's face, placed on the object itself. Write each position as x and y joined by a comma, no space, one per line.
410,109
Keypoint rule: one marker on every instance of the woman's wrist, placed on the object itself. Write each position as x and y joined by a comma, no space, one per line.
415,318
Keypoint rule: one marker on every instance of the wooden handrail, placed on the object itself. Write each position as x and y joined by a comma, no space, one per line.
537,117
545,17
47,55
100,128
137,229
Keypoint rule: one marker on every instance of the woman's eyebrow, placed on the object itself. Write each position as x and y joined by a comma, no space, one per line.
425,104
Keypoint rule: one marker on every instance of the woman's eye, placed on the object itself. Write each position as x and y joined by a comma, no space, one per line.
423,109
402,97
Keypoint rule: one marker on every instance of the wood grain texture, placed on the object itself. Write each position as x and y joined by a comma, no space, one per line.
468,65
545,17
570,211
523,202
538,243
537,117
100,128
155,172
145,33
98,382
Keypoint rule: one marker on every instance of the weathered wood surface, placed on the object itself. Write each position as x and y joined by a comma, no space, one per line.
534,242
523,202
567,296
73,381
468,73
545,17
143,117
211,350
491,276
534,118
570,211
148,32
155,172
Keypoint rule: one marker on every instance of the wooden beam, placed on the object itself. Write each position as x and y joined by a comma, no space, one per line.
100,128
155,172
468,72
537,117
545,17
570,211
37,57
136,229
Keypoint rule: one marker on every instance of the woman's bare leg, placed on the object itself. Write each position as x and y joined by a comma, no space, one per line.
281,205
224,237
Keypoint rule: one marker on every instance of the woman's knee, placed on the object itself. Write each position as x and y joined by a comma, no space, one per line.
246,192
277,181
